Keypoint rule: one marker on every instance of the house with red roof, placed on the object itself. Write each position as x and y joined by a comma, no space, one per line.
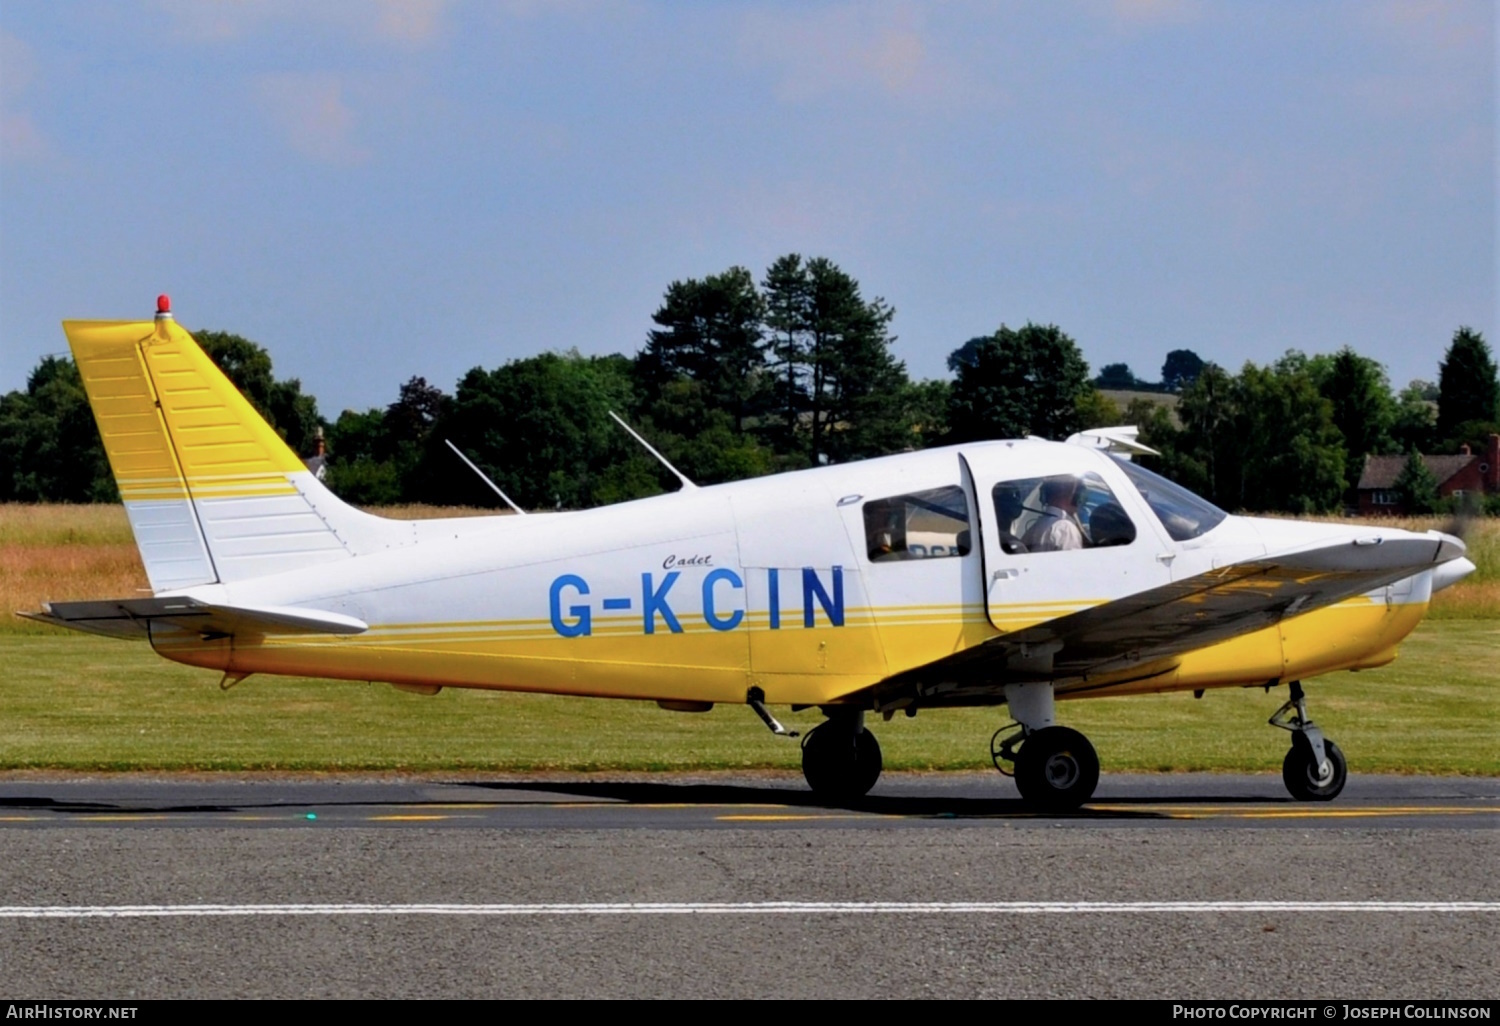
1464,474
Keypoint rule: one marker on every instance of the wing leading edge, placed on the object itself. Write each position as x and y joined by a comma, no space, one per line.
1142,635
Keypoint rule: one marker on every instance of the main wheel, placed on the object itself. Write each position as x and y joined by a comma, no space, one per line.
1309,782
1056,769
840,764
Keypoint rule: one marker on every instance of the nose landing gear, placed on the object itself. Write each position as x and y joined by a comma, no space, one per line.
1314,769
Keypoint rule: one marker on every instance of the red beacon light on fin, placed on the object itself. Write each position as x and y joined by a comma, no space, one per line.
164,305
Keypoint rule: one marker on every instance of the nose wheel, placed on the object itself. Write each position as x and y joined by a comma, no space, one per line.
1314,769
1311,781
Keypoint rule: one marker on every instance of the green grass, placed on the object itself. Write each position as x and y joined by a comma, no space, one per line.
78,703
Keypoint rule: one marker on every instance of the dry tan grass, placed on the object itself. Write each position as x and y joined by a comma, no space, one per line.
1476,596
417,511
35,574
61,552
63,524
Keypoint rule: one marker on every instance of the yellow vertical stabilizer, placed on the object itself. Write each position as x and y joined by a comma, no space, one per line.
212,491
155,392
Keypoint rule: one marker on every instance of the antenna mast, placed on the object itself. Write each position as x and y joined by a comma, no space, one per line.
687,485
484,477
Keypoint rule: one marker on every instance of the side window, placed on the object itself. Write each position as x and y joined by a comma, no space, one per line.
1066,511
921,525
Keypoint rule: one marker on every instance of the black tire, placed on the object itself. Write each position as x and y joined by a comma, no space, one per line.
1056,769
1300,773
840,765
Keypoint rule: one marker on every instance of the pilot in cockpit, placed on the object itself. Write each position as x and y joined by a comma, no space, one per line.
1057,528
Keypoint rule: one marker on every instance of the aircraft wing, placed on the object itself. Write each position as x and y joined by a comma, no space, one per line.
134,617
1142,635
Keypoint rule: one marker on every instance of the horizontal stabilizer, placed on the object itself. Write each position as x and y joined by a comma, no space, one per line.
134,618
1146,632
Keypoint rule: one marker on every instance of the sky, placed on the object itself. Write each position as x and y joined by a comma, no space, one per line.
379,189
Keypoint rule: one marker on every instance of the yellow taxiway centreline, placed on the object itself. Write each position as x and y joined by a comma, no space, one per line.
130,818
788,817
636,805
1238,812
1337,814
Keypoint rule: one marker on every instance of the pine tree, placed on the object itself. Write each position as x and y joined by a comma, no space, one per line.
788,296
1363,410
1417,485
710,332
1468,387
837,387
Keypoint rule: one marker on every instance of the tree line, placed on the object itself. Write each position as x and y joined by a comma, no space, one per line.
739,377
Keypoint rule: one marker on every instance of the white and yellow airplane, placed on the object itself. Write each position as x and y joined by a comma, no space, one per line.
1007,572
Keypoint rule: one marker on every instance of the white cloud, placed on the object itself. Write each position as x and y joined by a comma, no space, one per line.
1156,12
407,22
845,49
1435,25
1436,50
217,21
309,108
20,139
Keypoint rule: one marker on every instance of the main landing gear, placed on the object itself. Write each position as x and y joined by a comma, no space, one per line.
1314,769
1056,768
840,758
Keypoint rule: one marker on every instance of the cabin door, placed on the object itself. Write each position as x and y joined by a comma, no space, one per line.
1057,538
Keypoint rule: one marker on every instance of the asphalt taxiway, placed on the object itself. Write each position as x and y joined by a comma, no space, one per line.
1164,886
678,803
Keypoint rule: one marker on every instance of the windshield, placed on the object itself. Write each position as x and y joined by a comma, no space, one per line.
1182,513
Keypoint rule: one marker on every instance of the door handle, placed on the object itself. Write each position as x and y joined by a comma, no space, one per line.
1008,574
1165,558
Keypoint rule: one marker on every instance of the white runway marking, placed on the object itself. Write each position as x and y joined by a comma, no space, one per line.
753,908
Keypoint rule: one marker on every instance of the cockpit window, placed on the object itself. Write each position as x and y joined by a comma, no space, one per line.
1065,511
1182,513
921,525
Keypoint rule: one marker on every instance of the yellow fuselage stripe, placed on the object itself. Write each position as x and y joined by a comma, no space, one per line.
792,665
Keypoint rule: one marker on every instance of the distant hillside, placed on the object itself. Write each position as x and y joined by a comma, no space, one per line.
1123,398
